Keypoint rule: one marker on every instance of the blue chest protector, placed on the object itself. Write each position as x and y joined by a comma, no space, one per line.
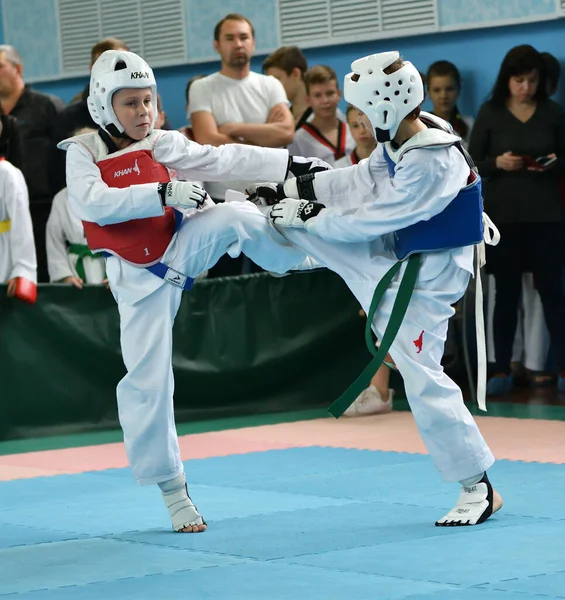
459,224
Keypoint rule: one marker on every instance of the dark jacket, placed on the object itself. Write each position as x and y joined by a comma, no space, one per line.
520,196
36,113
68,121
11,141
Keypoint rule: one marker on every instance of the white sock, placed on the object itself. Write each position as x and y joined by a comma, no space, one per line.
172,485
182,511
472,480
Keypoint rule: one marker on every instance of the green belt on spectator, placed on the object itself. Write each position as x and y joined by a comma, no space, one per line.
399,309
81,251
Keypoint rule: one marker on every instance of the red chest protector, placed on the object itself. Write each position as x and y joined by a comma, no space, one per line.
139,241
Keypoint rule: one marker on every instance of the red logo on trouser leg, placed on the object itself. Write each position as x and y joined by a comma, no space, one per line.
419,342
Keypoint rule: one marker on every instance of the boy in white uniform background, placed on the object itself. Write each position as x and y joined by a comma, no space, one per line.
69,259
352,220
365,143
325,136
18,263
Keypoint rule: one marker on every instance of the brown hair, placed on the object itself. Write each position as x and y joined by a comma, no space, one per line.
109,43
319,74
444,68
232,17
519,61
349,109
286,58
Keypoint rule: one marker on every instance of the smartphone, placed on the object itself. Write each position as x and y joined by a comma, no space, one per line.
541,162
545,161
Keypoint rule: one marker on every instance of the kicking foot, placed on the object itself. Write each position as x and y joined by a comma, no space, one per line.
185,517
370,402
475,505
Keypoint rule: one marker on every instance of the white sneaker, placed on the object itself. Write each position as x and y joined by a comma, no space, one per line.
370,402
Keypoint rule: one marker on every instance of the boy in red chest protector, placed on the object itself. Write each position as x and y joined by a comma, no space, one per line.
119,186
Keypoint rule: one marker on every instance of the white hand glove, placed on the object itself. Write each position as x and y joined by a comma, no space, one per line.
294,213
184,194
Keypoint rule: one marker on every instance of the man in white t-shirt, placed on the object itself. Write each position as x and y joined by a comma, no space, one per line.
237,105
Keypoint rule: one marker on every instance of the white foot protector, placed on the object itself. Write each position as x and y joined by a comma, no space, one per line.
475,505
370,402
181,508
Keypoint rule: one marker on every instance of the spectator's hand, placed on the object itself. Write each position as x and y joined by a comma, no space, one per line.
11,287
277,114
74,281
106,283
294,213
509,162
265,194
184,194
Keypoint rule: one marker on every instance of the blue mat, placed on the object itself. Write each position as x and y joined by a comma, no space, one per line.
298,524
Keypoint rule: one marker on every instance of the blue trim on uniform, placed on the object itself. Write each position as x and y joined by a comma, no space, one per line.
170,275
160,269
459,224
179,216
389,163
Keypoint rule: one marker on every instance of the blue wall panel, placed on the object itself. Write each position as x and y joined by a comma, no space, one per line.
465,12
31,27
478,54
202,17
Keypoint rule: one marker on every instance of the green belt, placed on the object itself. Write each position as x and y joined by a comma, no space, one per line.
81,251
399,309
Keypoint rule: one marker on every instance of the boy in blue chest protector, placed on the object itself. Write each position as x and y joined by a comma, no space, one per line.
416,195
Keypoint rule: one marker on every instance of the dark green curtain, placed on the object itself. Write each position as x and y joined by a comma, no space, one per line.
244,344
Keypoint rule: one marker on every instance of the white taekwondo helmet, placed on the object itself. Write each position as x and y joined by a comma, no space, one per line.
105,80
385,99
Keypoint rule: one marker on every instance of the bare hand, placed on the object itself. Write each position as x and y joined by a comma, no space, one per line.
11,287
106,283
509,162
277,114
74,281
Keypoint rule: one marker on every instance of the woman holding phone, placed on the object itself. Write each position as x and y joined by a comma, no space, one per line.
522,197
